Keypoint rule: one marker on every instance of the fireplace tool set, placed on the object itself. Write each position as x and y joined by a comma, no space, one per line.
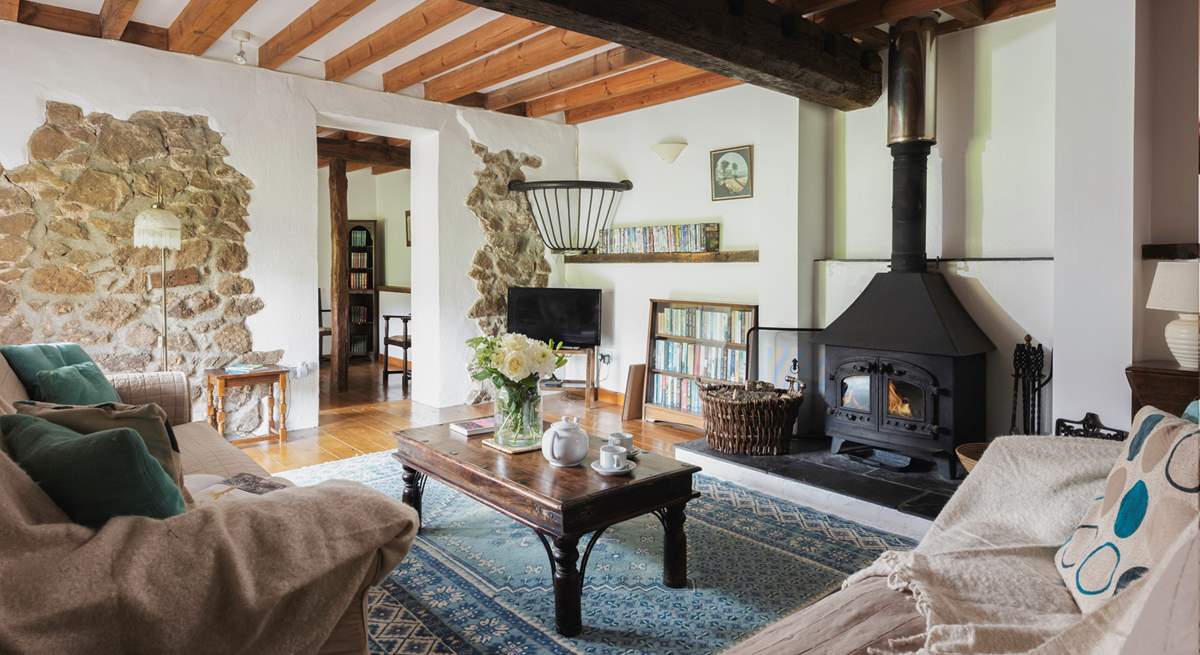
1028,362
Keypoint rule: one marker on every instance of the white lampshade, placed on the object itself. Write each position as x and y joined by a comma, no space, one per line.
1176,287
669,150
157,228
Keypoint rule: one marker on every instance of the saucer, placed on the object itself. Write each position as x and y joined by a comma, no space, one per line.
629,466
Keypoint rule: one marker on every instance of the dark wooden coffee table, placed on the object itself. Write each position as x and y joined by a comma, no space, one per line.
561,505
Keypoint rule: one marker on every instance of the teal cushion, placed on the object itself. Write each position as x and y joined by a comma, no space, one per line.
76,384
1192,412
28,359
91,477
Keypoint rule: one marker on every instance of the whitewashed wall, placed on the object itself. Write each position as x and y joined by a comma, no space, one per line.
268,119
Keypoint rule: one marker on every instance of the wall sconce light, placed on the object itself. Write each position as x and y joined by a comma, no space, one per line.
669,151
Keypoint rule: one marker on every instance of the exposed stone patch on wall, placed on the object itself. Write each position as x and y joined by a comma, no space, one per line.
513,254
68,267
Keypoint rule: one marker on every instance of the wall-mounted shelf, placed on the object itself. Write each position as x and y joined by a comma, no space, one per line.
391,288
665,257
1170,251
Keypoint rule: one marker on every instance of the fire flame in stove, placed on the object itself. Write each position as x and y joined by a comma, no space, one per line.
898,405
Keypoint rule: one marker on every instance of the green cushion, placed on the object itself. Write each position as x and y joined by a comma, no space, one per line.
92,477
1192,412
76,384
28,359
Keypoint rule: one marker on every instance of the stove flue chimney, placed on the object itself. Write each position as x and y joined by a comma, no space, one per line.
912,131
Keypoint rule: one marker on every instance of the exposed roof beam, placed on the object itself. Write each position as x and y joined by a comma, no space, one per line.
969,12
751,40
85,24
863,14
202,22
641,79
10,9
703,83
995,11
380,154
316,21
803,7
114,16
595,67
872,37
480,41
412,25
544,49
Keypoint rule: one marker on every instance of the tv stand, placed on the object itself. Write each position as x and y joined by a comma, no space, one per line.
590,392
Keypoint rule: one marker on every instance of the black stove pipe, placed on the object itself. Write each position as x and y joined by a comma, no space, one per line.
912,107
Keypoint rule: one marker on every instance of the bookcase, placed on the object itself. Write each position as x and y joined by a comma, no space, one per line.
366,273
690,342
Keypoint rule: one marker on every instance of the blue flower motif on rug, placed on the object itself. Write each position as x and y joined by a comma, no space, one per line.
476,582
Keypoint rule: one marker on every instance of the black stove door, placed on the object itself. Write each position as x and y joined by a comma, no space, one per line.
907,398
853,392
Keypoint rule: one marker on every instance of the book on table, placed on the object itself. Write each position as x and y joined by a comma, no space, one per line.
474,427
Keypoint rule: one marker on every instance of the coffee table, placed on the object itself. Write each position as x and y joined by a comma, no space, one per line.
561,505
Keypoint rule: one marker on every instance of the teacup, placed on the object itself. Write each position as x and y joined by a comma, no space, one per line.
622,439
612,458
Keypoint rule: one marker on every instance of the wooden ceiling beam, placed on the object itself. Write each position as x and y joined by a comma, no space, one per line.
970,13
403,31
83,23
380,154
494,35
804,7
10,9
114,17
380,170
547,48
634,81
865,14
872,37
995,11
316,21
202,22
751,40
595,67
692,86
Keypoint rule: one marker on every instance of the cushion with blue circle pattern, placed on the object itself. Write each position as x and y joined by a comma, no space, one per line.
1151,495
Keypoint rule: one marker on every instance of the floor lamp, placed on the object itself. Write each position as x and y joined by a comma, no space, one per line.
158,228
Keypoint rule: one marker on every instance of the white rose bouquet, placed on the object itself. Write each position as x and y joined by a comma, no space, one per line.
514,363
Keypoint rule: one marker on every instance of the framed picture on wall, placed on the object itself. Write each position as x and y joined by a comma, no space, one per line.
731,173
408,228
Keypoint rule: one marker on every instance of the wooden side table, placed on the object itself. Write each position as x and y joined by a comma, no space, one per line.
1165,385
217,381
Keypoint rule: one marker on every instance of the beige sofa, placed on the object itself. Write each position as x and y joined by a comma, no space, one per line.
205,454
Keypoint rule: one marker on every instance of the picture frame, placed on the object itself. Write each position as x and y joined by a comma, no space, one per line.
731,173
408,227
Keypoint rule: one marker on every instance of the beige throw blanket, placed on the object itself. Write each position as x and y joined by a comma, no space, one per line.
983,577
271,574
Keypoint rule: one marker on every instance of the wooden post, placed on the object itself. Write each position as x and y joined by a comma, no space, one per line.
339,274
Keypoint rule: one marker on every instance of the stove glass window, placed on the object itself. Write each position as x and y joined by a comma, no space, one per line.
905,400
856,392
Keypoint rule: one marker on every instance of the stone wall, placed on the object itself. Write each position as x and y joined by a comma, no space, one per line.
512,254
68,267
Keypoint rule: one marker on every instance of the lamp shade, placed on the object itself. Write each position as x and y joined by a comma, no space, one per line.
157,228
1176,287
668,151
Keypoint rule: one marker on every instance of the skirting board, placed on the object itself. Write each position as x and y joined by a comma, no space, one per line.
822,500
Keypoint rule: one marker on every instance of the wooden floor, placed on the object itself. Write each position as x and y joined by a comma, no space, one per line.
362,419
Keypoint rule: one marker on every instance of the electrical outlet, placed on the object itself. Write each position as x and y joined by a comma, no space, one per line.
301,370
605,357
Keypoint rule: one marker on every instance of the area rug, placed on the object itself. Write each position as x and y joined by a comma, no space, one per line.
476,582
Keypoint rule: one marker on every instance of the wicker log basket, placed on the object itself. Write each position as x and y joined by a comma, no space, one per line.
751,419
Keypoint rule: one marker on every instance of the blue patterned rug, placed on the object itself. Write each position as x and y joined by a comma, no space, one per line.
476,582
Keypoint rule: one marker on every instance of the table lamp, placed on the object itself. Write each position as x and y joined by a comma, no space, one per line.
1176,288
158,228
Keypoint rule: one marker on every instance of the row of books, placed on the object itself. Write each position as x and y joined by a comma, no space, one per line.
358,238
740,320
360,314
360,344
682,394
697,237
360,281
712,362
702,323
359,260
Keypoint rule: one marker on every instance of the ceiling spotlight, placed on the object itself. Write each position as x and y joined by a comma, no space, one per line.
241,36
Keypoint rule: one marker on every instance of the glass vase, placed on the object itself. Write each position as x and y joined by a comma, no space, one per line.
518,416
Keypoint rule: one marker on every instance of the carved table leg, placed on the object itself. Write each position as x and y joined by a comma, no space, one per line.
568,586
212,405
221,407
674,547
414,487
283,383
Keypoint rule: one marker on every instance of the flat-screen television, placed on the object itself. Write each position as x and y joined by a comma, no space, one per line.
571,316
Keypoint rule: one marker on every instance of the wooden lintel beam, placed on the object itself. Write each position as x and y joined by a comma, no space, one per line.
10,9
547,48
593,68
381,170
634,81
361,151
761,43
316,21
872,37
202,22
114,17
693,86
864,14
410,26
330,132
480,41
339,275
83,23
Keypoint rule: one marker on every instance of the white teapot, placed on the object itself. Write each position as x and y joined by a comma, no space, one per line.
565,443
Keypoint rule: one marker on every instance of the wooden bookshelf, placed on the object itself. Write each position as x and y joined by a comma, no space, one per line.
691,342
365,274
